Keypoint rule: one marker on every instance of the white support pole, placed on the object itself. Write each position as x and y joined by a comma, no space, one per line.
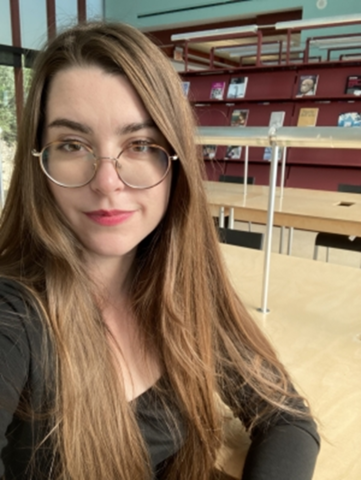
283,170
270,215
245,172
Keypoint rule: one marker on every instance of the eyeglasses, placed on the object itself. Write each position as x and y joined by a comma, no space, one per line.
73,164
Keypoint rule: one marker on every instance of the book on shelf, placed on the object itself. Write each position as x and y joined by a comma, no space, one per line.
217,90
307,117
178,54
267,154
186,87
237,87
209,152
349,119
239,118
233,152
276,120
353,85
307,85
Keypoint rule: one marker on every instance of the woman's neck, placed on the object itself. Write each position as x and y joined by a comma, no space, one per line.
138,364
110,275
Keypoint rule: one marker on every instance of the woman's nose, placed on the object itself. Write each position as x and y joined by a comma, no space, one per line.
106,179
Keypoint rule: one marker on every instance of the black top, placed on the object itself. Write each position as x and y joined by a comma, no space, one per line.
283,448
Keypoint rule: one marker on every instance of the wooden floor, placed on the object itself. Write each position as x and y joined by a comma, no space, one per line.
315,325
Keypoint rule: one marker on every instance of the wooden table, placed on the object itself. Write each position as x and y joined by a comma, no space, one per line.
315,325
314,210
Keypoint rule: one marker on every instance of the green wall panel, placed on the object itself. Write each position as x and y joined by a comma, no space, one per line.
141,13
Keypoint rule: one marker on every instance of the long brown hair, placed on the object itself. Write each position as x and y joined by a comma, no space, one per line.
181,295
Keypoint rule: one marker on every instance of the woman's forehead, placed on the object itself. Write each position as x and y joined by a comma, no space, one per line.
90,93
97,105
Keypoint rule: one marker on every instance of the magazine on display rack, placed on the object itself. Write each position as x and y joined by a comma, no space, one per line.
349,119
353,85
233,152
217,90
276,120
307,117
239,118
307,85
237,87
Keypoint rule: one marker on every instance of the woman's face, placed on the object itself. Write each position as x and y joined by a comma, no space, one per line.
104,111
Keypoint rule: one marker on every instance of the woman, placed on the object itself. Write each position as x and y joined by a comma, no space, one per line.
119,327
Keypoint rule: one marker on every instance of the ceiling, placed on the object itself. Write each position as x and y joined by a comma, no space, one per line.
199,52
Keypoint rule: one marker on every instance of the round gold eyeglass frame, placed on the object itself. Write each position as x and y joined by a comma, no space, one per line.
35,153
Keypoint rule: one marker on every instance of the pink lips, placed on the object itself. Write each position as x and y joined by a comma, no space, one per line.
109,218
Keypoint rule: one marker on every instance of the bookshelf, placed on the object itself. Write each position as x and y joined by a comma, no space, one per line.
277,89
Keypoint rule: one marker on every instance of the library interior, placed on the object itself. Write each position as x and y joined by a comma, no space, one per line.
275,88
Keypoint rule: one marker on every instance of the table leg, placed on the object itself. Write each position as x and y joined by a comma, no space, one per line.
231,219
281,239
221,217
290,240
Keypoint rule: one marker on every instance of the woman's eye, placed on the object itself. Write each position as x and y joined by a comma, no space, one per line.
72,147
139,147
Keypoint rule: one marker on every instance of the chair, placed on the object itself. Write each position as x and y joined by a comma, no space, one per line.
335,240
343,187
235,179
241,238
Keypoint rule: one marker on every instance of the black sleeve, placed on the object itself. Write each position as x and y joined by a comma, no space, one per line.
14,359
284,446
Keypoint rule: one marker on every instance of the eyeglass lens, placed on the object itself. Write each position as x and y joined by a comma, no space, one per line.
72,164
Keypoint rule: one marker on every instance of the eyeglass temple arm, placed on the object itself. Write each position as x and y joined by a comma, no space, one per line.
34,153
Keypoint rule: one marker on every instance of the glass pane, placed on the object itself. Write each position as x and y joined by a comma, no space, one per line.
5,24
33,23
8,128
7,104
94,9
66,12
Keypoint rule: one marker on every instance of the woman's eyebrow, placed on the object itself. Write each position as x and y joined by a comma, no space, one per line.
71,124
80,127
135,127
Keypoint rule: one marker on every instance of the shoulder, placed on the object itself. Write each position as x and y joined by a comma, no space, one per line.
19,320
11,293
15,297
24,340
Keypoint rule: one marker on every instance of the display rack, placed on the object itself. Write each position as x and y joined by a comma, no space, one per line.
271,90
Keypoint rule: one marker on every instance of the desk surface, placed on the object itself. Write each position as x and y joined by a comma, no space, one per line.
315,325
314,210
